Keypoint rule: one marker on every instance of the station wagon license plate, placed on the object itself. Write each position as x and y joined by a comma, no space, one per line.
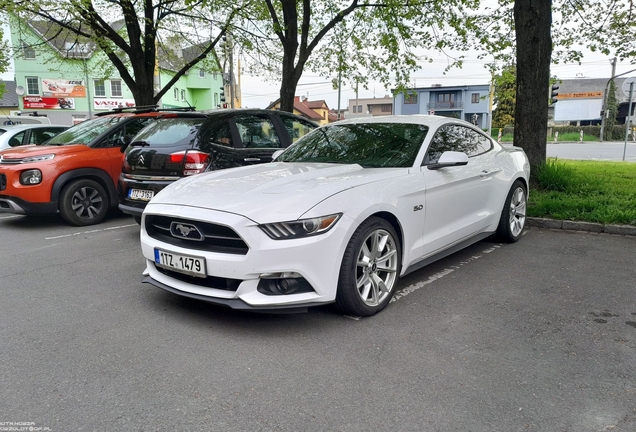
140,194
194,266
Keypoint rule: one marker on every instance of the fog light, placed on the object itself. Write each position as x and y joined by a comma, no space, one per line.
31,177
290,283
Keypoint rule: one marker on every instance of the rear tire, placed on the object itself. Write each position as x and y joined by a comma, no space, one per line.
513,214
83,202
370,269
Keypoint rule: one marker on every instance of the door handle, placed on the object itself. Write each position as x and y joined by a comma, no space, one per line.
484,173
252,159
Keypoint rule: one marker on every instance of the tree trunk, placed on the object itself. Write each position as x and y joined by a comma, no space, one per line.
533,19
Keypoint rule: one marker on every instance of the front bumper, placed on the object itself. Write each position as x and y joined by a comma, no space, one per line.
19,206
317,259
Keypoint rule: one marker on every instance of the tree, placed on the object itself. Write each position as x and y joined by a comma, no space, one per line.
132,33
612,111
505,97
4,61
286,37
533,20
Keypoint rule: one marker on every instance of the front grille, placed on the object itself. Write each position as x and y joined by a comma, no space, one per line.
216,238
10,161
224,284
4,205
3,182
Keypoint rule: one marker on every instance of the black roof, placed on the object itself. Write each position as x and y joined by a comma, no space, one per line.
9,97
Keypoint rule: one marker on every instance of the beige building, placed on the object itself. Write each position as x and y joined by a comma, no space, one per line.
370,107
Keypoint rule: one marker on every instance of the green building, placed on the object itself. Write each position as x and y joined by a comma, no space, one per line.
69,81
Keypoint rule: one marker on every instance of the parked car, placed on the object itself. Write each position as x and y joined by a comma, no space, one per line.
25,134
76,172
187,145
337,217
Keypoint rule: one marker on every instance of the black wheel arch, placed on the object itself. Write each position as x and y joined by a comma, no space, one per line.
95,174
395,223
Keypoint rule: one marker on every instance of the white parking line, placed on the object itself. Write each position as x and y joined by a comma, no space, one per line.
90,232
414,287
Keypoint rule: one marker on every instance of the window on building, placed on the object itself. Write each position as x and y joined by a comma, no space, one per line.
386,108
99,88
28,52
33,86
201,73
474,98
216,99
175,92
410,98
359,108
214,74
182,95
115,88
445,97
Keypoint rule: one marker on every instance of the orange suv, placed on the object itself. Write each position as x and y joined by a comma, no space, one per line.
76,172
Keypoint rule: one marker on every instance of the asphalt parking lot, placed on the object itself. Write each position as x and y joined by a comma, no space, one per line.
537,336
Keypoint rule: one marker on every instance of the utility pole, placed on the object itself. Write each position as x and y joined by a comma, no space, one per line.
604,109
231,60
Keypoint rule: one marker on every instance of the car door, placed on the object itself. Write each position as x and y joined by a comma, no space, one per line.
245,139
457,198
110,146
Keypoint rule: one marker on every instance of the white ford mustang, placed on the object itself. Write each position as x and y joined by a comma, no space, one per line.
338,217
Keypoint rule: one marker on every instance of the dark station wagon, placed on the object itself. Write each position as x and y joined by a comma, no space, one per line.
186,144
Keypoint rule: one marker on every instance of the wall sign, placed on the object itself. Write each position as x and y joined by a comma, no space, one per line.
63,88
37,102
106,104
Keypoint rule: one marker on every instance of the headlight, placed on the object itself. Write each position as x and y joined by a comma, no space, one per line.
300,228
31,177
37,158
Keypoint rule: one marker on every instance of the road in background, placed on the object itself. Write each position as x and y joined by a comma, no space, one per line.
610,151
539,335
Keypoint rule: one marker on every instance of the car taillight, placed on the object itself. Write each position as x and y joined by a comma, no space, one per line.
195,161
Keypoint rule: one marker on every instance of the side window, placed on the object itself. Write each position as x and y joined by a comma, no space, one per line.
129,130
476,143
456,138
296,128
17,139
218,133
446,138
257,132
40,135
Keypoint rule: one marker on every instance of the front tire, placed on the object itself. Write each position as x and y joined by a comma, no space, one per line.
370,269
513,215
83,202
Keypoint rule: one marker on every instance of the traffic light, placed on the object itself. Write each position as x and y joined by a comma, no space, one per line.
554,94
222,96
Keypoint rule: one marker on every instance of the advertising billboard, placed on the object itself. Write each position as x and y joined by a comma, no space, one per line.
62,88
37,102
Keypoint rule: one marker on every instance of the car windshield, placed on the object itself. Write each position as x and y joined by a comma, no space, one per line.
367,144
85,132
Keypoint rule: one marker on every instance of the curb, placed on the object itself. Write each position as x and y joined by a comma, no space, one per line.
628,230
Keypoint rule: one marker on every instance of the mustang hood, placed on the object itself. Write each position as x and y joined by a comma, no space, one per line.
270,192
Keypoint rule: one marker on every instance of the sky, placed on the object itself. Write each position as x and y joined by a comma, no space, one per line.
258,93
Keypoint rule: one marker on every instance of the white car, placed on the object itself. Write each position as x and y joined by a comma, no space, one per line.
338,217
26,134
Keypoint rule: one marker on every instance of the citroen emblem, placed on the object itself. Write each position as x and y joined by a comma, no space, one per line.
141,160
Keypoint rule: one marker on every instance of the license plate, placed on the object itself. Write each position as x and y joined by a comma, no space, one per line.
140,194
190,265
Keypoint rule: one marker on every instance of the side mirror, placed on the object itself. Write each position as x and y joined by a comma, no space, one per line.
276,154
123,143
450,159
